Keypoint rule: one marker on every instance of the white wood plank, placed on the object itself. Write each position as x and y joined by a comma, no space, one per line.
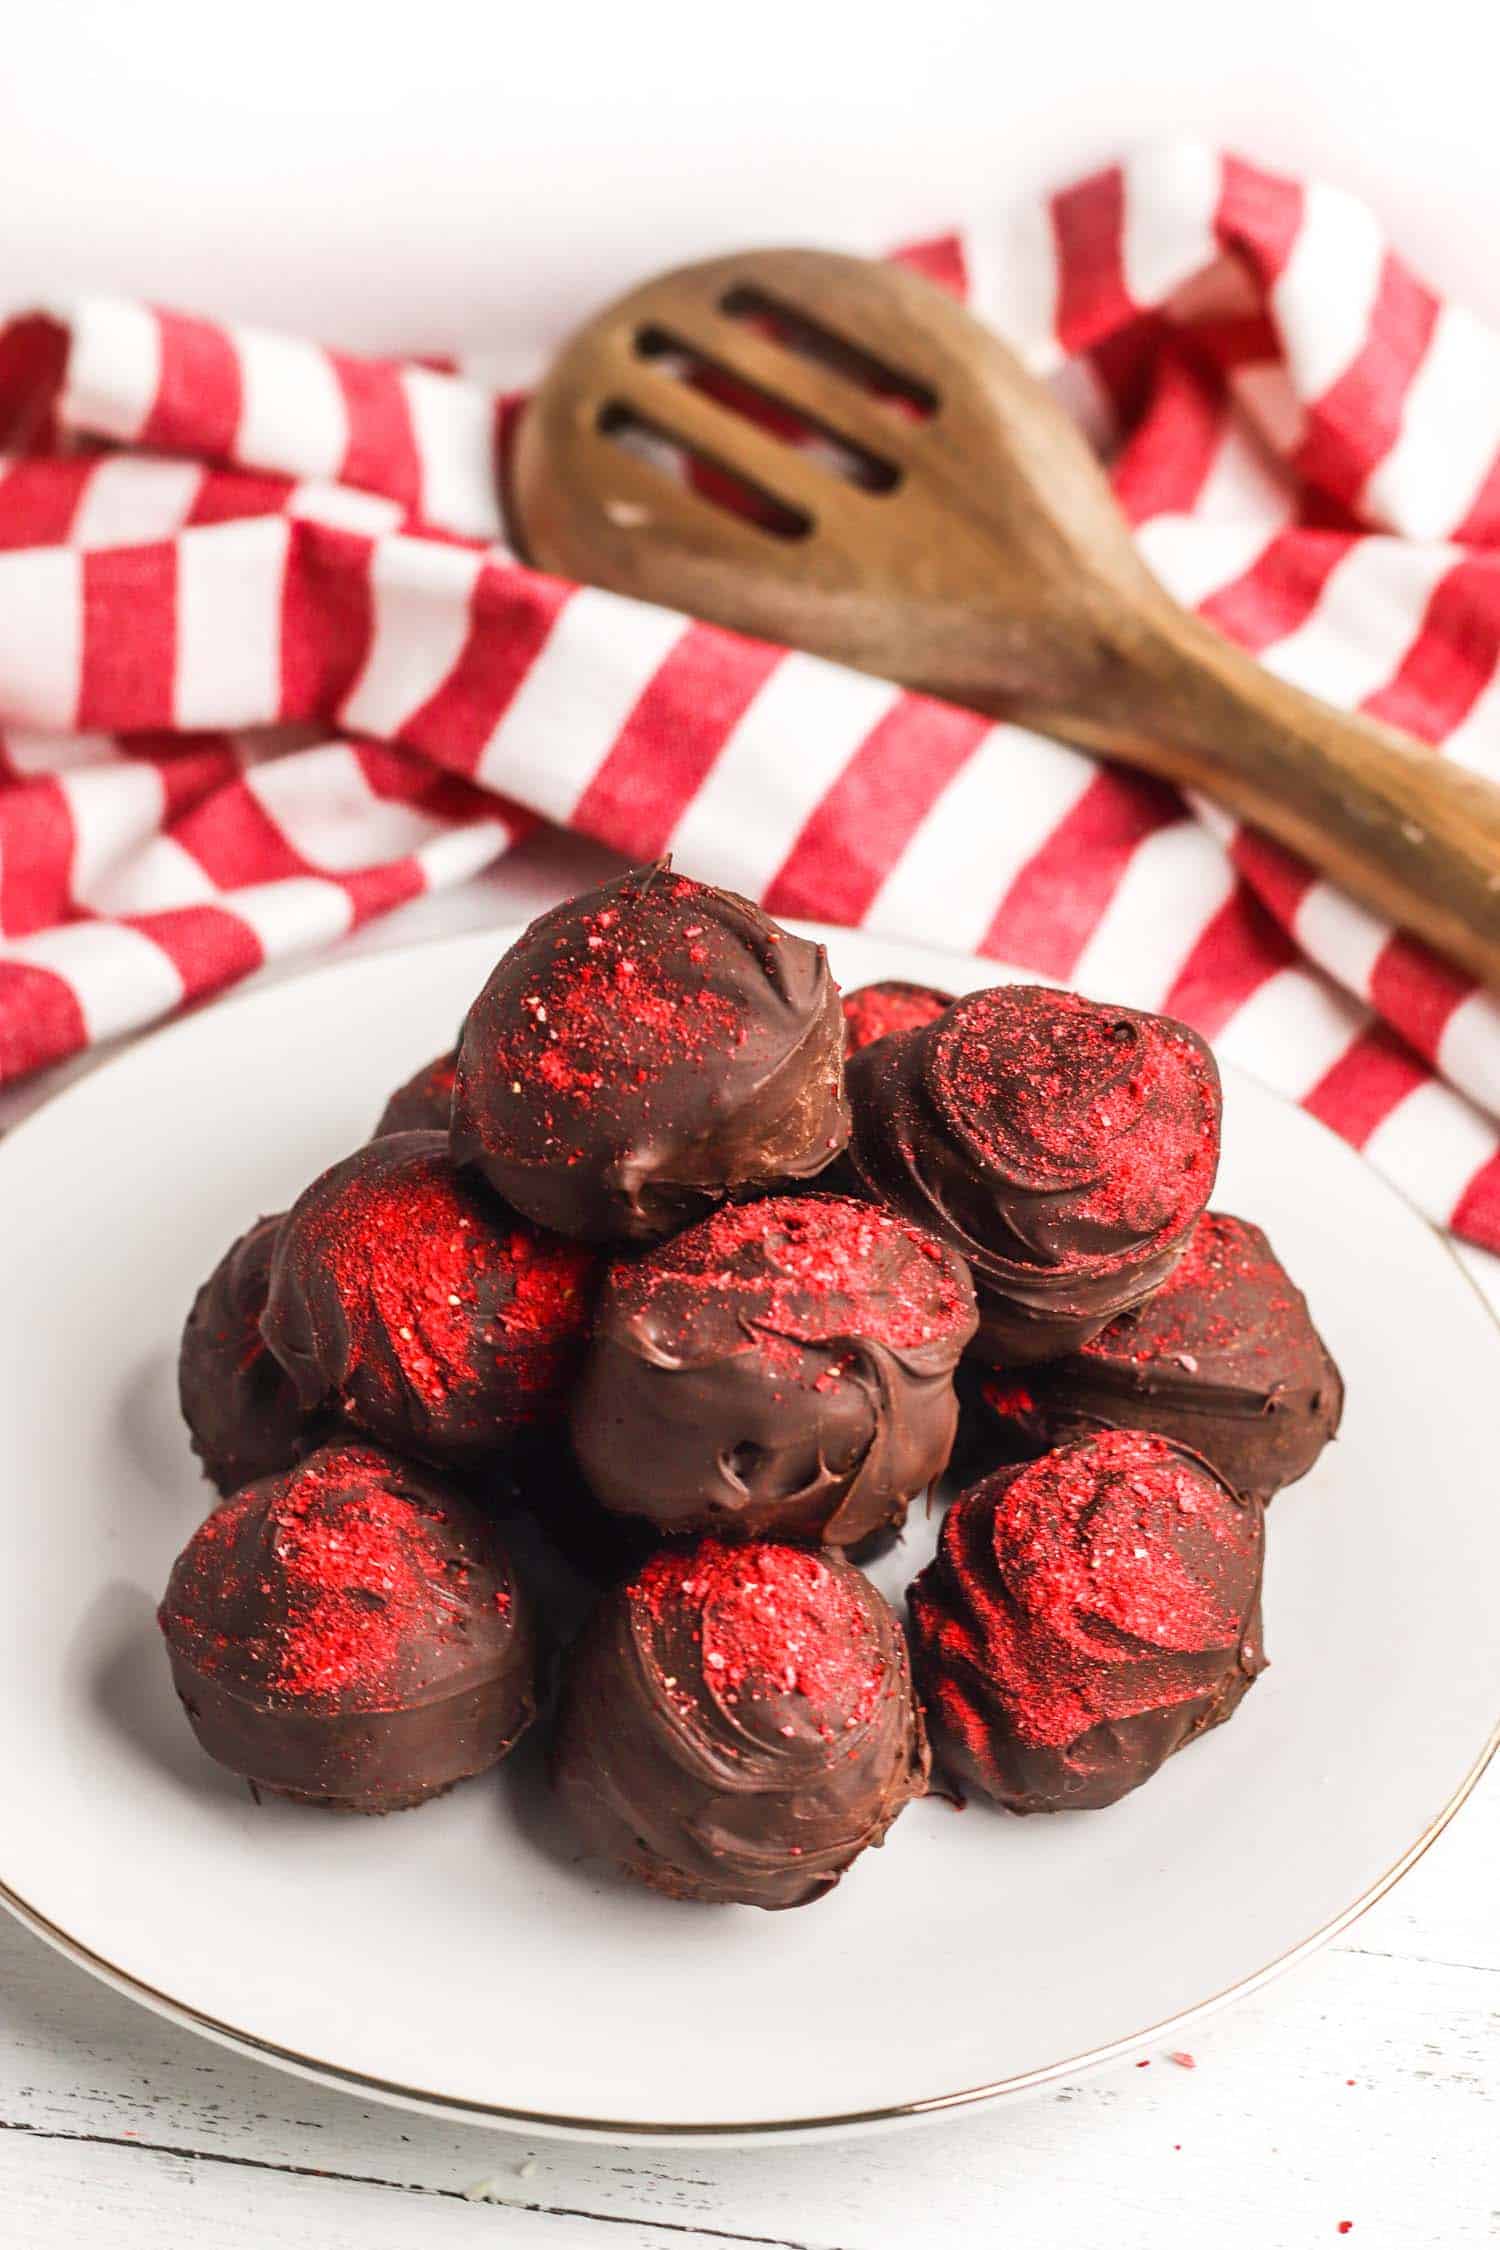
1263,2141
76,2192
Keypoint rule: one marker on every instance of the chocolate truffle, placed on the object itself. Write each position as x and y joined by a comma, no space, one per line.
435,1319
1224,1358
643,1050
784,1369
241,1407
350,1634
873,1010
1065,1149
1086,1615
738,1724
423,1102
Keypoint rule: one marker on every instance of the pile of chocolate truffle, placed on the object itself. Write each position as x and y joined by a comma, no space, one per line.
686,1270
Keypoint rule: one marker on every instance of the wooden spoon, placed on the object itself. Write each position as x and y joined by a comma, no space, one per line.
880,481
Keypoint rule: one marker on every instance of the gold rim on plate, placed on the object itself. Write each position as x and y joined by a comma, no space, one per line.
466,2109
463,2107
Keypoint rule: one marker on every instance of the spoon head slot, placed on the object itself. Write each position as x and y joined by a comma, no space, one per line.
688,465
809,338
769,410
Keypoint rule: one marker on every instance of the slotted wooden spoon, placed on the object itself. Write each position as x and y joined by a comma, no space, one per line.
880,481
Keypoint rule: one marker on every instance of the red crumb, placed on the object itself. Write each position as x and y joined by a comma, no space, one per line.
349,1574
1007,1398
1227,1288
1088,1587
770,1621
1086,1540
432,1273
1346,2226
358,1564
1183,2061
874,1010
620,1005
802,1269
1118,1112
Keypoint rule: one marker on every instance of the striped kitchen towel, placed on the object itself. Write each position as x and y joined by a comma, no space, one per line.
267,667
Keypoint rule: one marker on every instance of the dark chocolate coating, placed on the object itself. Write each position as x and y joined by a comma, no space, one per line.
241,1408
873,1011
436,1320
784,1369
422,1103
713,1779
1065,1149
645,1049
1224,1358
350,1634
545,1482
1085,1616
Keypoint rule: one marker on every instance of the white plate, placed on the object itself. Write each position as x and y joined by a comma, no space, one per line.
461,1958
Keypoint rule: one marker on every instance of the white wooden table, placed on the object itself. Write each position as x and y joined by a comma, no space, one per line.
1361,2090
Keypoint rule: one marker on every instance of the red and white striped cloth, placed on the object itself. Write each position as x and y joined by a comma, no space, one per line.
266,667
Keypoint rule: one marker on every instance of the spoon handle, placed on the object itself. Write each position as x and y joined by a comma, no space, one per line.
1412,836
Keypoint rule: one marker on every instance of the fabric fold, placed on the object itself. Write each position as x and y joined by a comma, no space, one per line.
267,666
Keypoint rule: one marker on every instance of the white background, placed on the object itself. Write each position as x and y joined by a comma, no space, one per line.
474,177
477,171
